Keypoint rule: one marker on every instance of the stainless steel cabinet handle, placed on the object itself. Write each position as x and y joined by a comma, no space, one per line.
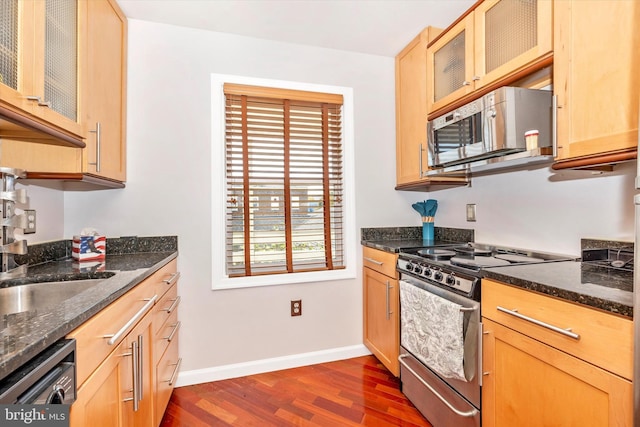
466,83
140,367
420,160
515,313
554,125
133,396
175,371
475,78
480,347
116,337
373,261
136,386
173,332
171,280
388,308
471,413
98,133
173,306
39,101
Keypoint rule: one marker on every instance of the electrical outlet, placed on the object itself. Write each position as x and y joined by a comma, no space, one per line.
296,308
30,214
471,212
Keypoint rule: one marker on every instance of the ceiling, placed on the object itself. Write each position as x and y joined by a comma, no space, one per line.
378,27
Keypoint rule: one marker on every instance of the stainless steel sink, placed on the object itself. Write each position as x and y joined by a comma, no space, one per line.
35,296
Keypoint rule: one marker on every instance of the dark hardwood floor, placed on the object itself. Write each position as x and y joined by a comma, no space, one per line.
352,392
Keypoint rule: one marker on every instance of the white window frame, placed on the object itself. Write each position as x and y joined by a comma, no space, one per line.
220,280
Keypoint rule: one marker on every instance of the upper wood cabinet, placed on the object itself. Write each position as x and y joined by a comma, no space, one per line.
100,64
450,65
596,79
105,99
488,44
39,62
411,108
411,116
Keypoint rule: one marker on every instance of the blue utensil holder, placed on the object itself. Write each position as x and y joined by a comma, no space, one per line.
427,231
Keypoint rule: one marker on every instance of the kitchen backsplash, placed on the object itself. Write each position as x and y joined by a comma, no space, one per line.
604,244
415,233
60,249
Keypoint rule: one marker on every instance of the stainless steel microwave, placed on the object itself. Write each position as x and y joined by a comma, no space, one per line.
506,121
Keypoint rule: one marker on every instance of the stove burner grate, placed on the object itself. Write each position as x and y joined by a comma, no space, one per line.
478,262
469,251
436,254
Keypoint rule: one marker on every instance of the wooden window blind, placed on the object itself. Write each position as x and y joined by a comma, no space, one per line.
284,181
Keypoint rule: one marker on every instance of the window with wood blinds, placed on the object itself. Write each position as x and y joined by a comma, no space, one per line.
283,180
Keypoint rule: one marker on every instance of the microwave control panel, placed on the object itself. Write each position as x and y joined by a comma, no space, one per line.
458,114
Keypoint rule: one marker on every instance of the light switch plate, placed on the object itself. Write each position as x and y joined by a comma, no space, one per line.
471,212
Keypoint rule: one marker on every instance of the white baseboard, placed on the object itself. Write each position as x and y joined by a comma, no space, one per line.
199,376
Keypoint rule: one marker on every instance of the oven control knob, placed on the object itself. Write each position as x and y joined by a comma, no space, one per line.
438,276
427,272
451,280
409,266
418,269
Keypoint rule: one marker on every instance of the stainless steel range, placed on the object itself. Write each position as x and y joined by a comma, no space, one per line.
440,326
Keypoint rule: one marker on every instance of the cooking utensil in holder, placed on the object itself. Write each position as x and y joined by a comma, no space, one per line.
9,246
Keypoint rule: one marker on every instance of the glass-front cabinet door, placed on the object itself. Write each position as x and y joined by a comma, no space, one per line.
450,65
61,57
496,40
16,59
510,34
39,60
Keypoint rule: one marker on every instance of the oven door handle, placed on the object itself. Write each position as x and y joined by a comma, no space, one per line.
471,413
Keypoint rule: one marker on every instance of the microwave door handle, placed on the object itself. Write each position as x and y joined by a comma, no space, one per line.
487,131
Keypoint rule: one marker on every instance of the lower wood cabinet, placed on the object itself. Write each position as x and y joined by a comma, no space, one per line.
137,376
98,402
532,384
547,380
126,383
382,307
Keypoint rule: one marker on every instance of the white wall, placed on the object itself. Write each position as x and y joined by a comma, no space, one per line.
49,206
542,209
168,187
169,192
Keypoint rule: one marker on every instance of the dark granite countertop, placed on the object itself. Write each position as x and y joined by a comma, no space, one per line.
573,281
131,260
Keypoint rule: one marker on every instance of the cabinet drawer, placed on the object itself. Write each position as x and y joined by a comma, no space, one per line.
604,339
381,261
92,338
166,334
166,375
166,277
91,345
165,308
